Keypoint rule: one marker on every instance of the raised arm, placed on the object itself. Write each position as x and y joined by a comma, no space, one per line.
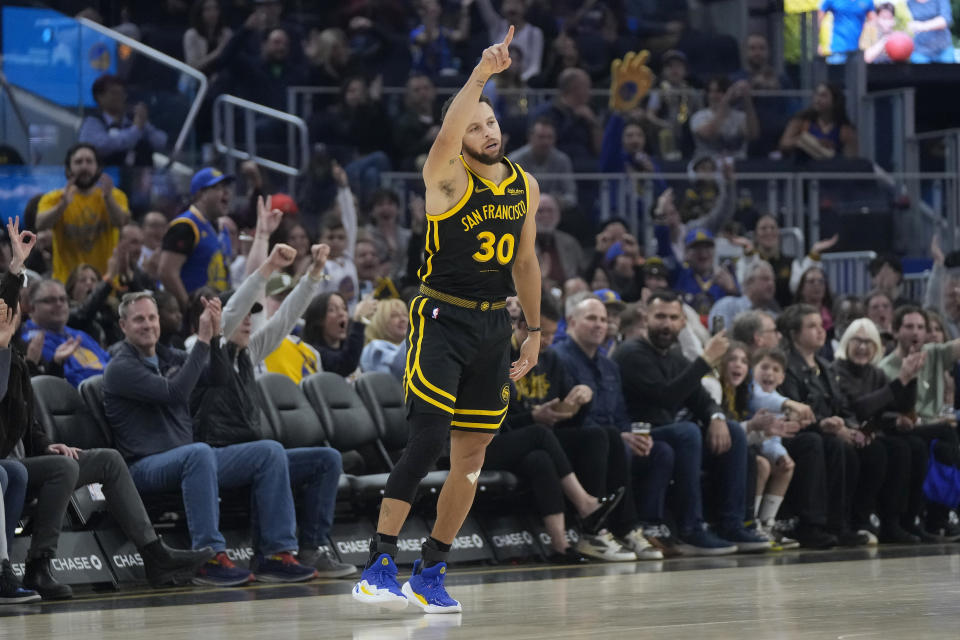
443,174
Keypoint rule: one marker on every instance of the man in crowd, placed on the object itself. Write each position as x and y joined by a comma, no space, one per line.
658,382
85,216
699,280
121,139
577,127
580,354
77,352
192,256
56,470
227,408
756,329
146,397
759,290
540,155
391,237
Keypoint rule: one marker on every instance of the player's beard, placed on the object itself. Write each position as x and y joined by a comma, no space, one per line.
485,158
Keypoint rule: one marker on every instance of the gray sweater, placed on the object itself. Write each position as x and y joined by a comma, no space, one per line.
149,409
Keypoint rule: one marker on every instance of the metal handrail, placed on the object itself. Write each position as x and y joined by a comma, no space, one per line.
228,146
933,135
170,61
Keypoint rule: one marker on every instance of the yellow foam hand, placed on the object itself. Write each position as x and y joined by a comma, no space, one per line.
630,80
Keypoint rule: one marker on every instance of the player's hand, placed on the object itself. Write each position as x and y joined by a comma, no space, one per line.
529,354
630,80
496,58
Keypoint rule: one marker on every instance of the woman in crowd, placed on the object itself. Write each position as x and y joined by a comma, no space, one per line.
932,41
384,339
722,129
772,478
814,290
937,332
787,269
328,328
879,309
808,380
90,310
208,35
823,131
875,403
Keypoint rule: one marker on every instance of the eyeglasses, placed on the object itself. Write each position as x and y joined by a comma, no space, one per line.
53,300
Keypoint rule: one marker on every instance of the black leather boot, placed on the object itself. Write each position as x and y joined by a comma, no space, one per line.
164,565
39,577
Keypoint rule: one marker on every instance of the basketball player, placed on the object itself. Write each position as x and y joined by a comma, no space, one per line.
479,250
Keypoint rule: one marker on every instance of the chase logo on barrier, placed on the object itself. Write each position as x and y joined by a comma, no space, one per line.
79,559
511,538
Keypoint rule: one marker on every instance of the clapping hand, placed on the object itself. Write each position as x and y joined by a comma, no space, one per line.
8,324
209,323
66,349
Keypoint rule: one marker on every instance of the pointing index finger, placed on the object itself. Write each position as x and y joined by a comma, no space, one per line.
509,38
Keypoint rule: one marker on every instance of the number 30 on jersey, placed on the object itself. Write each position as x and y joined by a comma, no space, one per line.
490,246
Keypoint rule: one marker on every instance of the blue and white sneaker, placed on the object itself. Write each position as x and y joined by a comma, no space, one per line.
425,589
378,585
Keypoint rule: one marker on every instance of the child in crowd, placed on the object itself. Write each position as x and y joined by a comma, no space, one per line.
769,371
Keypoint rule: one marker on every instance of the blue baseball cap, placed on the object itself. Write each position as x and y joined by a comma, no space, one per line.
206,178
698,236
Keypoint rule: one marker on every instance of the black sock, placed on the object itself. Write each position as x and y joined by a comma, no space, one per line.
434,552
382,543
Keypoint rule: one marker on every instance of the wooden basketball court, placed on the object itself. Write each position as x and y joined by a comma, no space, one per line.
894,592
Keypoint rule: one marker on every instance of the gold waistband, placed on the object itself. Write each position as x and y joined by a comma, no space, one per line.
482,305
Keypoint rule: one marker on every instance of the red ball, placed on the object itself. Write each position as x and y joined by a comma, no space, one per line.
899,46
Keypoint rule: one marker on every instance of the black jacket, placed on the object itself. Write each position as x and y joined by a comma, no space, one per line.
546,381
225,404
658,385
17,408
869,397
816,387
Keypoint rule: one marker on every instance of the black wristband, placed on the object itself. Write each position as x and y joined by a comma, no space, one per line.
532,329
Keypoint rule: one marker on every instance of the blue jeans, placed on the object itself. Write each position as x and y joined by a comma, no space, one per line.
13,484
946,56
198,470
651,477
316,472
729,470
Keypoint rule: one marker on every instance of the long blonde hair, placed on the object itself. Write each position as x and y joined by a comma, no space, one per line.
377,329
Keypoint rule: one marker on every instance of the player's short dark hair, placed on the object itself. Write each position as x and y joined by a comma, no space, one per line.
903,312
77,147
446,105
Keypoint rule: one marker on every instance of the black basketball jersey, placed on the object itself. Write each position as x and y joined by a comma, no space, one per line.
470,249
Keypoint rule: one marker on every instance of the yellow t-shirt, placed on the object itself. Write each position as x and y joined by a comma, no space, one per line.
294,359
84,234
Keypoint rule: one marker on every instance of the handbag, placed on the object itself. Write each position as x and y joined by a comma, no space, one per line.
942,484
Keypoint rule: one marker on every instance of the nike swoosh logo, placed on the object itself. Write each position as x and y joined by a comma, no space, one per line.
478,189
